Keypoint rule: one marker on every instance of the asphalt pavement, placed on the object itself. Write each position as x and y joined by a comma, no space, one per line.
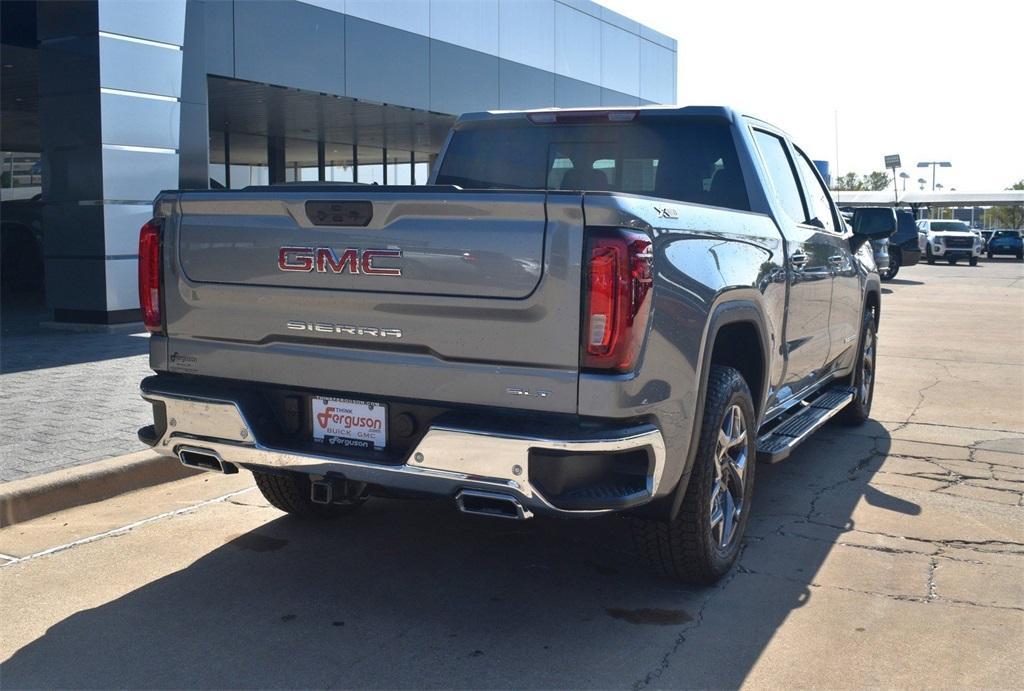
886,556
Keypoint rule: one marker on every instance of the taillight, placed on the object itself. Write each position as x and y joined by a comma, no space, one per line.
618,299
149,276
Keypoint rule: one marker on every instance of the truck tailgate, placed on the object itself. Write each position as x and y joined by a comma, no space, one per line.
439,295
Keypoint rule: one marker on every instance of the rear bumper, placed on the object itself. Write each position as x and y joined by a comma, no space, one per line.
446,461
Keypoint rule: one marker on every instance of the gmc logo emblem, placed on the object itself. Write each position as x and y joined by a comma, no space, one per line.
324,259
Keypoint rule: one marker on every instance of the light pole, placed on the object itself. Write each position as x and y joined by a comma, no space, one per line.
934,165
922,182
904,177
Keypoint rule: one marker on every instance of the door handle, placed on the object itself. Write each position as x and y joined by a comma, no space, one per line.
798,259
836,259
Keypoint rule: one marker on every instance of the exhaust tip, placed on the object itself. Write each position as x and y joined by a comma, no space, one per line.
491,504
202,459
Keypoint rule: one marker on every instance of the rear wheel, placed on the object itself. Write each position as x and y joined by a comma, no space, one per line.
989,255
974,261
863,379
292,493
700,544
894,268
1020,255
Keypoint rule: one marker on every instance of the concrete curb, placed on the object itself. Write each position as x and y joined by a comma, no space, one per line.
22,500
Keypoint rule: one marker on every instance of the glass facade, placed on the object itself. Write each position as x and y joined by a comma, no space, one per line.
239,93
342,162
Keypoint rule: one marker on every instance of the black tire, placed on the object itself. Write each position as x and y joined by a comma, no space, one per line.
1020,256
928,254
291,493
951,261
894,268
974,261
689,546
989,255
859,409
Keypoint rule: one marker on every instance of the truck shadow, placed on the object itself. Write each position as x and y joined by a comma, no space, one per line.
412,594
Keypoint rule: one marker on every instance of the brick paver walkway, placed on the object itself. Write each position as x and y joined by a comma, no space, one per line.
66,398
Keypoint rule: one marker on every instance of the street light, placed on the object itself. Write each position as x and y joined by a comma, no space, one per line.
905,178
934,165
922,182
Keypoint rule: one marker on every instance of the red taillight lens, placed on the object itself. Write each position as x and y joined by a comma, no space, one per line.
618,299
149,276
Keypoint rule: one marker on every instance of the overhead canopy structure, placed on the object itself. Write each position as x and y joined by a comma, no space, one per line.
931,199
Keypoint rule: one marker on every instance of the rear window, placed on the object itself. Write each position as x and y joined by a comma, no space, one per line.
1006,234
690,160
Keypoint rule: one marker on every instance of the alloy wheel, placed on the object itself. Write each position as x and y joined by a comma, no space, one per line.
727,490
867,366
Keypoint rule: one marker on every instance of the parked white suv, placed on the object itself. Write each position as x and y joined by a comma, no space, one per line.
951,240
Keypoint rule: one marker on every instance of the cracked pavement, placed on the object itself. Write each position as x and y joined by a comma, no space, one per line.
885,556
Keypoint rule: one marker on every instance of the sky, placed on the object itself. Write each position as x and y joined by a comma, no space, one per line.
930,81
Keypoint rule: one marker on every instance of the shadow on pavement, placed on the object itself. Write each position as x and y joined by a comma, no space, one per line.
25,345
411,594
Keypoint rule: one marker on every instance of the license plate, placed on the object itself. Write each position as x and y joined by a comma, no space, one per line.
341,422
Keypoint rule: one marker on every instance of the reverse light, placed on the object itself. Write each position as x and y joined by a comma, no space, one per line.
617,303
149,276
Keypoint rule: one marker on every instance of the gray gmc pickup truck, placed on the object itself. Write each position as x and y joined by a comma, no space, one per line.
585,312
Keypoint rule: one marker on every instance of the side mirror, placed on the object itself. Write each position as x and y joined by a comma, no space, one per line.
874,223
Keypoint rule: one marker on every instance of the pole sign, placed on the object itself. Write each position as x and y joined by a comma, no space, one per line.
893,162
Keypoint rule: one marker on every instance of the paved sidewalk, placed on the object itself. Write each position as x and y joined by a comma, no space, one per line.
66,398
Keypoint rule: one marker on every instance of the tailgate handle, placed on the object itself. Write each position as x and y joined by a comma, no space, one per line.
328,213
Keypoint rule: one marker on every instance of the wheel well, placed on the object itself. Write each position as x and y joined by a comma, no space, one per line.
738,345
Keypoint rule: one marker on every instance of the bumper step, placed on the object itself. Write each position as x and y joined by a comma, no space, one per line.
779,443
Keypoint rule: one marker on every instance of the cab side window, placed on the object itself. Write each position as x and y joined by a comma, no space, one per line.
818,201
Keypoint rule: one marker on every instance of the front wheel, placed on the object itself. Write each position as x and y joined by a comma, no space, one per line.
701,543
929,255
974,261
863,379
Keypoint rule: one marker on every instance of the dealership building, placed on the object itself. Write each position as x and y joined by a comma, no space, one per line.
107,102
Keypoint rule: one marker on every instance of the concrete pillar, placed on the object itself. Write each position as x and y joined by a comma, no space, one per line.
110,112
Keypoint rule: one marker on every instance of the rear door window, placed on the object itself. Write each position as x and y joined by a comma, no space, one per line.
780,169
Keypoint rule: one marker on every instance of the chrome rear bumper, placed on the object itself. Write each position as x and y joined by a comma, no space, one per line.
446,460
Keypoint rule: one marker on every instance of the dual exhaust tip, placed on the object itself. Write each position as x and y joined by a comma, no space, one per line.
471,501
491,504
204,459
